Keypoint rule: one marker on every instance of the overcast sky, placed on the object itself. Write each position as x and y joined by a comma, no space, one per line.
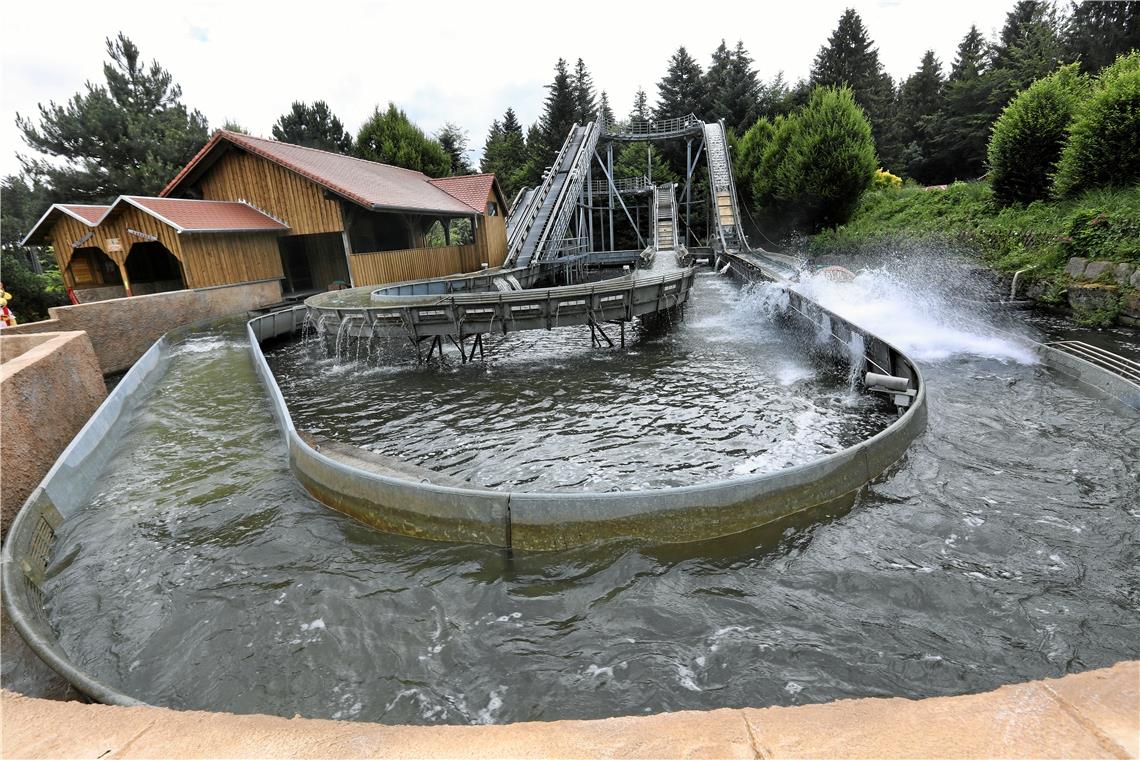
462,62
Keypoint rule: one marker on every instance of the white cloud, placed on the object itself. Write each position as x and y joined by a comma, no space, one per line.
458,62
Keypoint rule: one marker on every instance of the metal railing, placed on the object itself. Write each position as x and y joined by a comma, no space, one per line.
518,234
624,185
654,129
567,202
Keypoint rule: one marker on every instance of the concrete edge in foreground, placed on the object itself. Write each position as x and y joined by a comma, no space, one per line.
1087,715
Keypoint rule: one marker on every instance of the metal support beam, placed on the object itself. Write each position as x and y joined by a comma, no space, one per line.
613,192
690,167
609,173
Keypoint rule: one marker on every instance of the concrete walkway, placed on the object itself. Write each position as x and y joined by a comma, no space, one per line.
1089,715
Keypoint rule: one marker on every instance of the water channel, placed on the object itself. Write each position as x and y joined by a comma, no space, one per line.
1001,548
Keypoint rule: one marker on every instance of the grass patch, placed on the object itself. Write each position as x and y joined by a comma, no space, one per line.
1097,225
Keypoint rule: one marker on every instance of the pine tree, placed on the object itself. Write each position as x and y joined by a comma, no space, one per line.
538,156
734,91
504,153
642,159
960,132
604,109
585,103
849,59
1028,49
391,138
454,141
682,91
640,110
716,82
920,99
313,126
774,98
1096,32
559,115
127,137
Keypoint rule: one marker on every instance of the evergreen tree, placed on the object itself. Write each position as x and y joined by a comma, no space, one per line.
849,59
22,202
391,138
959,134
830,160
607,113
559,115
734,91
127,137
640,110
313,126
642,159
1028,49
1096,32
504,153
682,91
538,156
453,139
920,99
585,103
775,98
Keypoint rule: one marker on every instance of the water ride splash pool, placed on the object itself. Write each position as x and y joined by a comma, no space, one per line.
1000,549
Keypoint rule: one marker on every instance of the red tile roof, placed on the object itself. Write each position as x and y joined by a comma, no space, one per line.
370,184
472,190
90,214
204,216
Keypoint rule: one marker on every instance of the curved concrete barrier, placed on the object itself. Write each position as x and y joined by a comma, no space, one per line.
375,491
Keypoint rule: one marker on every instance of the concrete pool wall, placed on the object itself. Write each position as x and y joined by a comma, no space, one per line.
382,493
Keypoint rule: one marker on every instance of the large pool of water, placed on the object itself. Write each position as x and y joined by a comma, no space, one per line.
725,391
1002,548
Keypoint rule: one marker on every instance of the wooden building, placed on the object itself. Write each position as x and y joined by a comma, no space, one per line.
246,209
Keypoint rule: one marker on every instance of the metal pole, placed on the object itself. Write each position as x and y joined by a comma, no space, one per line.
688,183
613,191
610,173
590,203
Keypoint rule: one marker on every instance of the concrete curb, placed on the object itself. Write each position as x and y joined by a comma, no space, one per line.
1087,715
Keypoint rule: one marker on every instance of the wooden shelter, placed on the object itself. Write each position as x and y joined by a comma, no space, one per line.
247,209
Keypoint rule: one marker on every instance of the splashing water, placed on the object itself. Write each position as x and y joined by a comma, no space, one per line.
915,317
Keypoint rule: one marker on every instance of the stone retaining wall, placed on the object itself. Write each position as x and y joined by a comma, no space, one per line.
122,329
50,384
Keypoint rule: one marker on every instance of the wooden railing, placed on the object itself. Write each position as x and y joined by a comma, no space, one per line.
379,267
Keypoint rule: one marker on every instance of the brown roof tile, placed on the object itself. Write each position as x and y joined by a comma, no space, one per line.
370,184
90,214
472,190
204,216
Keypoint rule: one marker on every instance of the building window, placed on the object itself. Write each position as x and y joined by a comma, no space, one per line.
492,209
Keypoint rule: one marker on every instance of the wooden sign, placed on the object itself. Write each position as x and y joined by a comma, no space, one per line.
114,245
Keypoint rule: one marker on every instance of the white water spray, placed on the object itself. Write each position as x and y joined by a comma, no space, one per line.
917,320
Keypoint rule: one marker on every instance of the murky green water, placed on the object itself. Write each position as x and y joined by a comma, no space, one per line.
1002,548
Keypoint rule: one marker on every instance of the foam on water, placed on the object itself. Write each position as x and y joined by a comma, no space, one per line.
913,316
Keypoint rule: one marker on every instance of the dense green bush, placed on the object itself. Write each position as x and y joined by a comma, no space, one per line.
831,159
1104,144
32,293
768,187
749,151
1030,134
809,168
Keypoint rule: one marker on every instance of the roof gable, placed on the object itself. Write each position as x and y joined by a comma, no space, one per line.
370,184
194,216
88,214
472,190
